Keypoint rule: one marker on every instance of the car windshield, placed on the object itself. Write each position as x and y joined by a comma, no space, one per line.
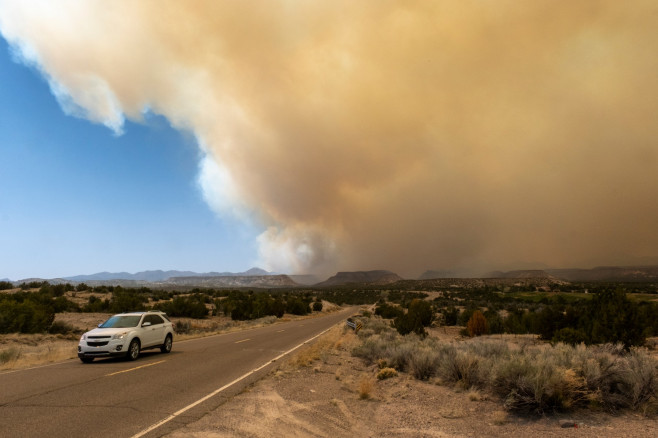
118,321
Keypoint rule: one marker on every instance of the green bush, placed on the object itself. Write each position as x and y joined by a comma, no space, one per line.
388,311
25,317
570,336
191,307
418,317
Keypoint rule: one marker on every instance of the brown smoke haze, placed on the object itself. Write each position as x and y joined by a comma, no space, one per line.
386,134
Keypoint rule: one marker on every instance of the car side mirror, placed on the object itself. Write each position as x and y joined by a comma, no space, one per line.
146,324
99,325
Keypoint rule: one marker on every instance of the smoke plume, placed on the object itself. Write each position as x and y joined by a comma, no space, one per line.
398,135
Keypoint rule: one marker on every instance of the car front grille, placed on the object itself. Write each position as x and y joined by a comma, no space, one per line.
97,343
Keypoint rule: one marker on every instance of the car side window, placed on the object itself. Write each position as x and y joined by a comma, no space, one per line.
155,319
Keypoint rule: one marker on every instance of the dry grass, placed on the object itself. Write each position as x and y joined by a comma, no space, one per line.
386,373
500,418
318,350
17,352
475,395
365,388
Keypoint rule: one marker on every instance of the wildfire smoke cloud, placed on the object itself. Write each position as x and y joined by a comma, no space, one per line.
385,134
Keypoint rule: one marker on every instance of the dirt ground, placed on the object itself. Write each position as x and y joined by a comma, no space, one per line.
323,391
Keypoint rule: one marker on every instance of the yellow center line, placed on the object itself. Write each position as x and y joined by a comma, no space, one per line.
244,340
136,368
279,331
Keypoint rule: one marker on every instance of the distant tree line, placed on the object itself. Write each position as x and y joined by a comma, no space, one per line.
605,314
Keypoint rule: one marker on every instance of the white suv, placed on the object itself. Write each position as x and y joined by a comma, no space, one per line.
126,334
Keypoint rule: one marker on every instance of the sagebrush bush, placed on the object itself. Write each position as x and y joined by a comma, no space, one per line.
423,363
9,355
459,367
528,377
371,349
61,328
640,380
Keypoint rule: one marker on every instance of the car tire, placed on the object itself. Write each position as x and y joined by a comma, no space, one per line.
87,359
133,349
166,347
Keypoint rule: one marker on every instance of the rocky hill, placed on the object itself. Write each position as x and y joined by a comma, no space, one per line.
260,281
608,273
361,277
159,275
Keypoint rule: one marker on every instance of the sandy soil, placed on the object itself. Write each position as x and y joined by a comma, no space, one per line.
323,391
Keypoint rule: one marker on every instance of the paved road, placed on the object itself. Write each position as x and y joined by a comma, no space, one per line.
123,399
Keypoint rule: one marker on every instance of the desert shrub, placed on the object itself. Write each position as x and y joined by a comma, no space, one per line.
6,285
365,388
388,311
297,306
545,389
370,350
451,316
182,327
191,307
317,306
570,336
477,324
459,367
61,328
640,380
399,354
9,355
529,378
423,363
416,319
126,300
488,348
96,304
374,326
25,317
386,373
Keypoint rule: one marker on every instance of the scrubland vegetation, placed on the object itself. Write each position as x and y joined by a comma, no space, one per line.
528,376
582,346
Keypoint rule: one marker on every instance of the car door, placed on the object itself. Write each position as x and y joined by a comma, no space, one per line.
155,333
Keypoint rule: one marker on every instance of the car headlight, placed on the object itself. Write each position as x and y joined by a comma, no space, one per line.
83,337
119,336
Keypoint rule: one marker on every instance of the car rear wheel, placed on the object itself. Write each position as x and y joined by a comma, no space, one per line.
166,347
133,349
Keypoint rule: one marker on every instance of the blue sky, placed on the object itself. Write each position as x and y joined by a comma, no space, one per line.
77,199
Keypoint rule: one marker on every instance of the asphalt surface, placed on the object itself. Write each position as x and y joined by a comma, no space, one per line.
119,398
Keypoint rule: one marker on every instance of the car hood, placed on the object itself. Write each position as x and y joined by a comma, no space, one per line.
108,331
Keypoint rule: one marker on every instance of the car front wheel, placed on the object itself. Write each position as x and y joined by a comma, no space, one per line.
166,347
133,349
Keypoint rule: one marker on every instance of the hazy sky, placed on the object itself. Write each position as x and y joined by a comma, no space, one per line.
327,136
